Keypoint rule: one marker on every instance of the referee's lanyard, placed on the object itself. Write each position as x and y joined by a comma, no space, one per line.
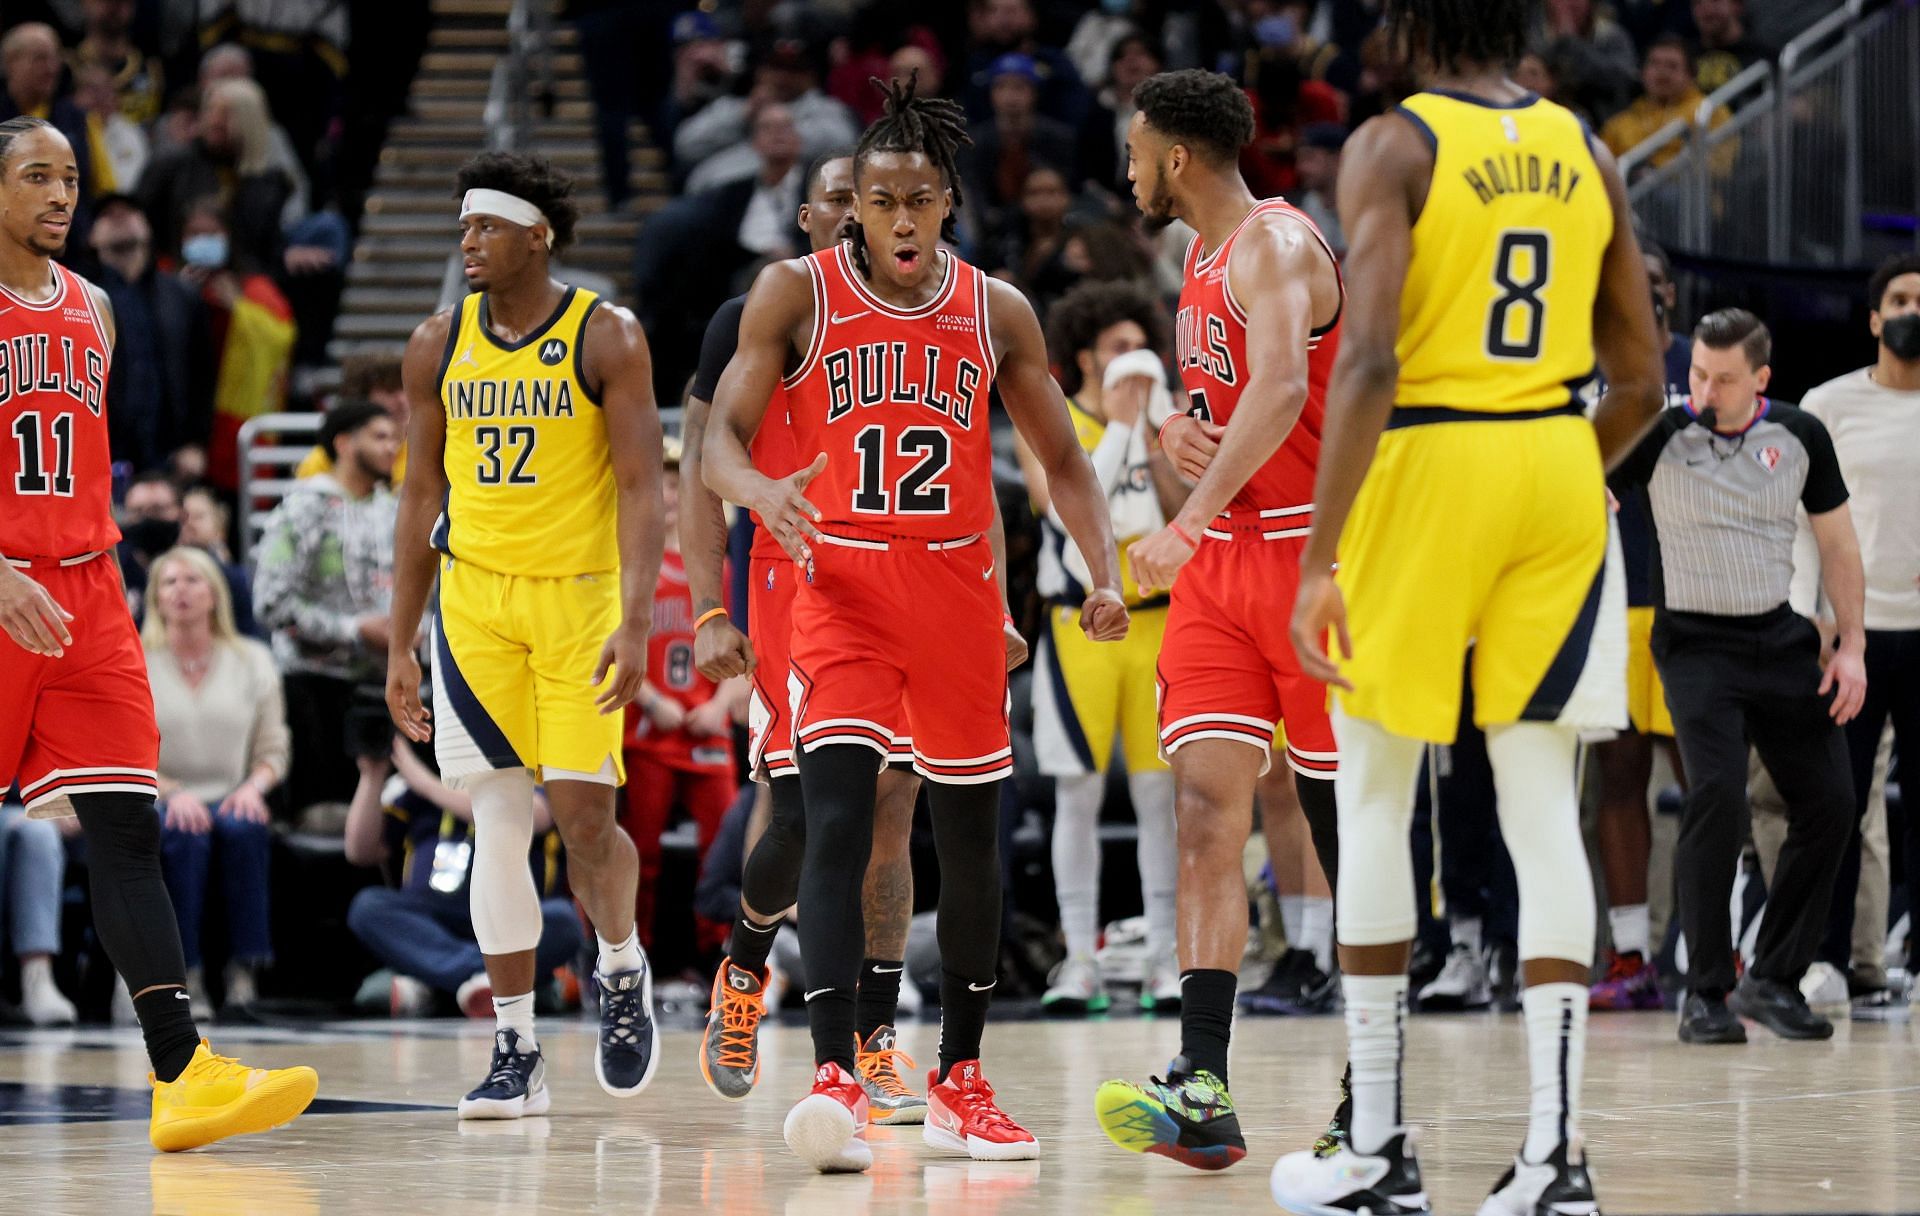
451,858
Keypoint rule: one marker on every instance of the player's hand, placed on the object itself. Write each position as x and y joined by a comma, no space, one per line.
1846,678
720,651
1103,617
784,509
1318,607
1191,444
625,655
32,617
709,718
1016,645
664,712
185,813
1157,559
245,803
410,717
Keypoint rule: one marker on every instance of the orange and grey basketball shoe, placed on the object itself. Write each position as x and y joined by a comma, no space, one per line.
888,1095
730,1046
962,1118
216,1097
827,1129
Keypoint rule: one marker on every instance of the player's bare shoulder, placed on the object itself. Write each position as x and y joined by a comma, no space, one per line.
1011,320
432,333
781,300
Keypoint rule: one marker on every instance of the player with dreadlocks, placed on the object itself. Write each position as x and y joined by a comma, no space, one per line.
887,347
1461,491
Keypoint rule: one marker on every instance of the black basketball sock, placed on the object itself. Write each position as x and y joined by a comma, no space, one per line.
166,1023
966,831
878,1002
838,781
751,943
963,1018
1206,1018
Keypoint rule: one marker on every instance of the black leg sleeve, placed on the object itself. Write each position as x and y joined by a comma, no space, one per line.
1316,800
770,881
838,782
966,832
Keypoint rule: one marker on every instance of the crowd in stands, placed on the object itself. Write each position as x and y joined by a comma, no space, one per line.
213,217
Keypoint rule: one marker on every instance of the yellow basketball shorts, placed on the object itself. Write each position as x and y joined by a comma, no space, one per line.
1646,695
513,661
1085,694
1494,534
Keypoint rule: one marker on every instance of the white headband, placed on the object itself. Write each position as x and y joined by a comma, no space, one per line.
507,207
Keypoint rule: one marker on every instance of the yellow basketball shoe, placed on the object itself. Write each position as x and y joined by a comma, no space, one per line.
217,1097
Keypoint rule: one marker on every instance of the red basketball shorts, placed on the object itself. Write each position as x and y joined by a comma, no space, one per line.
1227,670
82,723
770,591
894,636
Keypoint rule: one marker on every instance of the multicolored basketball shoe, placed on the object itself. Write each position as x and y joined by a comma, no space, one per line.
1631,983
889,1098
1339,1127
1188,1117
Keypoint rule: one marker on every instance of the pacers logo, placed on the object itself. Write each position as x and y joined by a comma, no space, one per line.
552,351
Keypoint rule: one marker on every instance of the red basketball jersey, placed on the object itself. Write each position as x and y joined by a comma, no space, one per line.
774,455
897,399
56,470
1211,344
670,669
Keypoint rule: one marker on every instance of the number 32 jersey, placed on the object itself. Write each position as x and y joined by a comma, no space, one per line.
897,399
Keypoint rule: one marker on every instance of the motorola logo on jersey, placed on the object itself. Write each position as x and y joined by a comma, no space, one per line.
1200,341
28,364
552,351
895,373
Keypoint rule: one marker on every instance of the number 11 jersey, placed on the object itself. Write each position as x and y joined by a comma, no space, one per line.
897,399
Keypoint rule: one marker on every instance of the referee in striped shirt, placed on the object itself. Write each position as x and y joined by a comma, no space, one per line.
1725,472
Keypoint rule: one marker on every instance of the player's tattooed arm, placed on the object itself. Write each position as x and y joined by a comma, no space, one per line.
777,318
421,495
1039,412
1626,339
618,361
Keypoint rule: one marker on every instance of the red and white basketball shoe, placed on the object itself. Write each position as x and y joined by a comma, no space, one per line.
962,1118
827,1129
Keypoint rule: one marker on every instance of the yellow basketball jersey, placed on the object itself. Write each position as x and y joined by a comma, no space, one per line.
530,482
1497,312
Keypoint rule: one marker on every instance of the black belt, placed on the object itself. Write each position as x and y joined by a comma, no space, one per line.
1422,415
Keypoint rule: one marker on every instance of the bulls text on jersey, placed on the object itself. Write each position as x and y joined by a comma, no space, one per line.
27,365
1200,341
876,373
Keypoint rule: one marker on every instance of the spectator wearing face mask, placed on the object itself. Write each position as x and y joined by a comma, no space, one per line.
149,526
162,331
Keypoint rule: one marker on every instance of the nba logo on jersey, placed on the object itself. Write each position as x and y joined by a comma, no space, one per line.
552,351
1769,458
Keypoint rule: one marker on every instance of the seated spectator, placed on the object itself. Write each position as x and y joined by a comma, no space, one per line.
30,61
223,749
1028,248
1103,137
912,58
1285,103
324,585
1006,148
1722,47
253,333
773,140
1594,58
162,330
374,378
703,72
785,75
421,832
149,526
998,28
1669,94
231,62
204,524
230,160
33,867
116,145
137,81
1318,163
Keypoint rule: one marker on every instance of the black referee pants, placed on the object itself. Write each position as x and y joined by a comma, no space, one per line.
1731,682
1893,694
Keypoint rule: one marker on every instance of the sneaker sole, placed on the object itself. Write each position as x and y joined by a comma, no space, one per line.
980,1150
1731,1037
1138,1124
821,1133
529,1106
899,1116
274,1103
653,1046
1740,1009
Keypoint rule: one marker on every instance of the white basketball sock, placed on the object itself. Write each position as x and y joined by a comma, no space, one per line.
1631,928
1316,930
1376,1045
1159,857
1293,918
621,956
1557,1051
1076,859
515,1013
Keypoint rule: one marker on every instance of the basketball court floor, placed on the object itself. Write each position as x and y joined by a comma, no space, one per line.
1773,1127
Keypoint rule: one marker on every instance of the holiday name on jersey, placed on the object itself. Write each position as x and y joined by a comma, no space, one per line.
26,367
1513,173
876,373
509,399
1200,341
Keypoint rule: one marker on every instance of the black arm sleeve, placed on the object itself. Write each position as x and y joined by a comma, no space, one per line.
1826,489
1637,468
716,349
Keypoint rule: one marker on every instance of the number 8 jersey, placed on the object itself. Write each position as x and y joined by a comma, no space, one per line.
897,399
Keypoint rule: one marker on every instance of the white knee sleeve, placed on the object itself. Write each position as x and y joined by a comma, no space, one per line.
1159,855
1076,858
506,906
1374,791
1533,775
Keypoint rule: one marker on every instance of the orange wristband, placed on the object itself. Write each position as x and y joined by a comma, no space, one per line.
706,616
1181,532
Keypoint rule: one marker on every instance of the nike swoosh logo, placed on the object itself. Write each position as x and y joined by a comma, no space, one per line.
816,992
852,316
980,987
886,970
181,996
